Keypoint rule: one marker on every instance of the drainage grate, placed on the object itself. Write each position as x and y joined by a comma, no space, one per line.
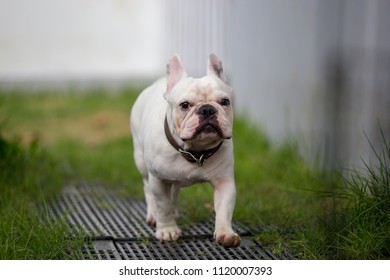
118,229
196,249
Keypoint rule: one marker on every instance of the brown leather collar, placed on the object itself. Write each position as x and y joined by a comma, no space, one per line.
193,157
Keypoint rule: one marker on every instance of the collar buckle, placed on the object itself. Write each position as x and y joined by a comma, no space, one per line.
199,161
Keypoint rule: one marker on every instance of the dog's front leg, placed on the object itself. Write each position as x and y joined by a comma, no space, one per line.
224,201
166,227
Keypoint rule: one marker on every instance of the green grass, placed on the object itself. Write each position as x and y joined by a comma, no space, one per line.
28,179
358,225
54,139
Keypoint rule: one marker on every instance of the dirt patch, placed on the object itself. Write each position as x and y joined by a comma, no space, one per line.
95,129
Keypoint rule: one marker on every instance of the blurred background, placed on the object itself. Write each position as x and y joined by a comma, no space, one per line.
316,72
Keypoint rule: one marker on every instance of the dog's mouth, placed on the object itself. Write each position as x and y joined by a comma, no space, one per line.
209,127
208,130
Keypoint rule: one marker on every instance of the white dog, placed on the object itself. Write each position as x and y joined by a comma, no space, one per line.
182,130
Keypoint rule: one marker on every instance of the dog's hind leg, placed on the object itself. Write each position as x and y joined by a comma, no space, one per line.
166,227
150,204
149,198
175,198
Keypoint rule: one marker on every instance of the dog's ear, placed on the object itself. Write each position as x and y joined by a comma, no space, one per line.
175,72
215,67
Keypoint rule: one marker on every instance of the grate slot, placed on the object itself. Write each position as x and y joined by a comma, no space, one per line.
73,207
127,222
125,251
187,250
120,219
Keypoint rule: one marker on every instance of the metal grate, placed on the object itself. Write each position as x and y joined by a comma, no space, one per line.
196,249
119,231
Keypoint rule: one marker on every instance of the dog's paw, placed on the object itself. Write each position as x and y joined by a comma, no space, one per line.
151,214
151,219
227,238
169,233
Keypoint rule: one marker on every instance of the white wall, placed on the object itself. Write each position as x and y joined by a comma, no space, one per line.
196,28
80,39
278,49
317,72
275,63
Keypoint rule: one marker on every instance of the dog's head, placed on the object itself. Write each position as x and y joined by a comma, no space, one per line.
200,110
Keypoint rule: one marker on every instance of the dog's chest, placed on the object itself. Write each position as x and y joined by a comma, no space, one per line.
181,172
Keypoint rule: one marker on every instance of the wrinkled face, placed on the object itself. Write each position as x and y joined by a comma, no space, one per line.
201,110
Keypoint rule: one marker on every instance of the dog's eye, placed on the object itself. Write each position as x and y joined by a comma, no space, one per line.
225,102
184,105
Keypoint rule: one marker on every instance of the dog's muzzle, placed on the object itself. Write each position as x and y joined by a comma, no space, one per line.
190,156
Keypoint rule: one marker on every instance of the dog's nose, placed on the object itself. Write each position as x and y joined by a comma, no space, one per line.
206,111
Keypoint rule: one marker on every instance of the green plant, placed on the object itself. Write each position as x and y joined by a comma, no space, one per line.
357,225
28,179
